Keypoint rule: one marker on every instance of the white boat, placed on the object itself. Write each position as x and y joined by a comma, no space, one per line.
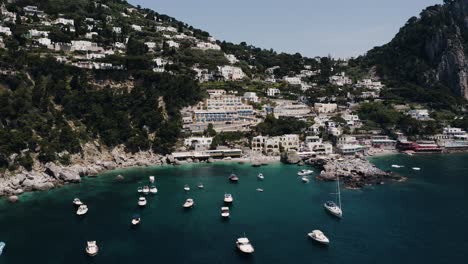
77,202
416,168
200,186
153,189
142,201
151,179
136,219
260,176
82,210
225,211
233,178
189,203
397,166
2,246
305,172
305,179
259,190
318,236
332,207
186,188
146,189
243,244
228,198
140,189
91,248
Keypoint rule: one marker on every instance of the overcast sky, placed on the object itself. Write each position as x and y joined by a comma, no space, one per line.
341,28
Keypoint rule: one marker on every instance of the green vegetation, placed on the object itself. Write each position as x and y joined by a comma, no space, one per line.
277,127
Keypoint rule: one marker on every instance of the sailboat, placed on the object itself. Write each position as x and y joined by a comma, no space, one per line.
332,207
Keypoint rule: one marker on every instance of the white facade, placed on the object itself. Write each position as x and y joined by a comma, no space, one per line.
150,44
419,114
172,44
207,46
84,45
291,109
231,72
64,21
117,30
44,41
198,143
290,142
273,92
340,80
231,58
292,80
5,30
352,120
38,33
325,108
273,145
251,97
369,84
167,29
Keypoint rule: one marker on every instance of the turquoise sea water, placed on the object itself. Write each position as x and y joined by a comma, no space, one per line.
423,220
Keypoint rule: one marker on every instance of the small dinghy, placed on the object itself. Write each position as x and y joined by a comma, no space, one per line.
91,248
140,189
233,178
225,211
77,202
259,190
142,201
186,188
136,219
318,236
151,179
228,198
153,189
305,179
189,203
82,210
396,166
200,186
260,176
146,189
416,168
2,246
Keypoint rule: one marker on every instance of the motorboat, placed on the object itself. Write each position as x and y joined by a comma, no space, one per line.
305,172
151,179
396,166
146,189
186,188
318,236
260,176
225,211
259,190
136,219
332,207
92,248
200,186
142,201
228,198
305,179
153,189
233,178
416,168
77,202
140,189
82,210
189,203
2,246
243,244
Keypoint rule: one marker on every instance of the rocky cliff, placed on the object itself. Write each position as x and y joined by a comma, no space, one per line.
429,51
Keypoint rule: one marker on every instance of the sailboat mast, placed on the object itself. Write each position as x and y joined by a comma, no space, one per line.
339,194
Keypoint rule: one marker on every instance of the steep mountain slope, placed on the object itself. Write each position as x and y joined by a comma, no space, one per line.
429,51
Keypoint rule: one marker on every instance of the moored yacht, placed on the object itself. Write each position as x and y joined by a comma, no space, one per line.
260,176
259,190
82,210
2,246
91,248
305,179
200,186
136,219
142,201
146,189
318,236
332,207
225,211
305,172
186,187
416,168
243,244
151,179
228,198
77,202
140,189
189,203
153,189
233,178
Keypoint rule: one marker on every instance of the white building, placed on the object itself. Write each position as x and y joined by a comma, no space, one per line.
231,58
286,108
33,10
172,44
272,92
90,35
117,30
207,46
352,120
44,41
289,142
150,44
231,72
340,80
198,143
251,97
369,84
84,45
325,108
166,29
5,30
292,80
37,33
136,27
216,92
420,114
64,21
